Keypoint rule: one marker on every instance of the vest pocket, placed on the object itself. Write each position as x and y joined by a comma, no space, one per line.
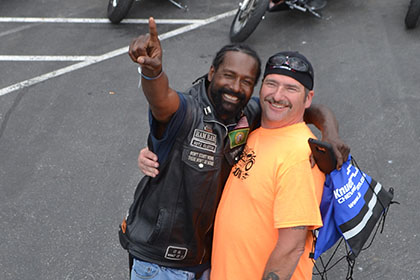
160,221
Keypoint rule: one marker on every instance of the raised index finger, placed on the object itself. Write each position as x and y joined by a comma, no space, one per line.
153,29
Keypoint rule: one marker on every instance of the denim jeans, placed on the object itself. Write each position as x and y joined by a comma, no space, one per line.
145,270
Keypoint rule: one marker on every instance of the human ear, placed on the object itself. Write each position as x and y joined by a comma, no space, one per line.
211,73
308,99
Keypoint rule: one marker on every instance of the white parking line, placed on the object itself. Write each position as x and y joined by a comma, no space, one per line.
95,59
61,71
14,30
94,20
45,57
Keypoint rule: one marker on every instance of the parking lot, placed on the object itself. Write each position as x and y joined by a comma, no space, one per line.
72,119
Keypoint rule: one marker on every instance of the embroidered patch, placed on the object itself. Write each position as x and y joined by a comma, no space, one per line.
204,140
201,158
175,253
238,137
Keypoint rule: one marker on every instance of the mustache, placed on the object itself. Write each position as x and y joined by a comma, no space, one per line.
279,102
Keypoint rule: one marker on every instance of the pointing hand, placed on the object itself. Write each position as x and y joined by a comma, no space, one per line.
147,51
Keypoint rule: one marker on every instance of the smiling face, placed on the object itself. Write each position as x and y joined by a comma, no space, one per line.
231,85
283,101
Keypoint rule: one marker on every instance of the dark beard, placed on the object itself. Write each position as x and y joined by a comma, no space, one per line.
224,109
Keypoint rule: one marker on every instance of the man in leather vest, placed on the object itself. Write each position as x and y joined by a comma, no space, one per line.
197,136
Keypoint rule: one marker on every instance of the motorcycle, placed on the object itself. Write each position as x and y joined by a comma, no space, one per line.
413,14
251,12
118,9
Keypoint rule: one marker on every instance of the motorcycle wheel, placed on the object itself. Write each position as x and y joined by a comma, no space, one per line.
118,9
247,19
413,14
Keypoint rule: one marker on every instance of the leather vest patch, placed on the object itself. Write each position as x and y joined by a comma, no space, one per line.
176,253
204,140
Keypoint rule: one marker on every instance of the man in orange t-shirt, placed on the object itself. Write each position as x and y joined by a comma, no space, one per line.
271,200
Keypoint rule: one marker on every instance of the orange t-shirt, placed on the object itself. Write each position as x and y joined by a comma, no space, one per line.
272,186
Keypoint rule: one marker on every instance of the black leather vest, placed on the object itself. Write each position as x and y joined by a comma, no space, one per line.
171,219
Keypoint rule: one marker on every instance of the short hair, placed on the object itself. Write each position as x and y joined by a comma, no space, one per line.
306,92
238,47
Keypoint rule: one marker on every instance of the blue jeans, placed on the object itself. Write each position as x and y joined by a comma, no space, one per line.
145,270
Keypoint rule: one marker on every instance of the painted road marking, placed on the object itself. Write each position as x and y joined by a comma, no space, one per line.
95,59
45,57
14,30
94,20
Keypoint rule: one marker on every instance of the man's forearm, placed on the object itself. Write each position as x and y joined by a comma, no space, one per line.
156,90
162,99
281,266
323,118
286,254
146,51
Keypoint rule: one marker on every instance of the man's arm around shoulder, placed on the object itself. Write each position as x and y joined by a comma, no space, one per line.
324,119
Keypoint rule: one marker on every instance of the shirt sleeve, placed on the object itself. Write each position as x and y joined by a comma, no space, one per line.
162,146
296,202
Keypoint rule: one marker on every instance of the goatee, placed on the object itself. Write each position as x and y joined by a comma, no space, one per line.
226,109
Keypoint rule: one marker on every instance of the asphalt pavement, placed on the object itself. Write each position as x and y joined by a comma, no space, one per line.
72,119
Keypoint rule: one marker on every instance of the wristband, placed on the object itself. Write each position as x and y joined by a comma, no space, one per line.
150,78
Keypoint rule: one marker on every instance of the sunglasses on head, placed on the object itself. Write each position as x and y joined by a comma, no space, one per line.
292,62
